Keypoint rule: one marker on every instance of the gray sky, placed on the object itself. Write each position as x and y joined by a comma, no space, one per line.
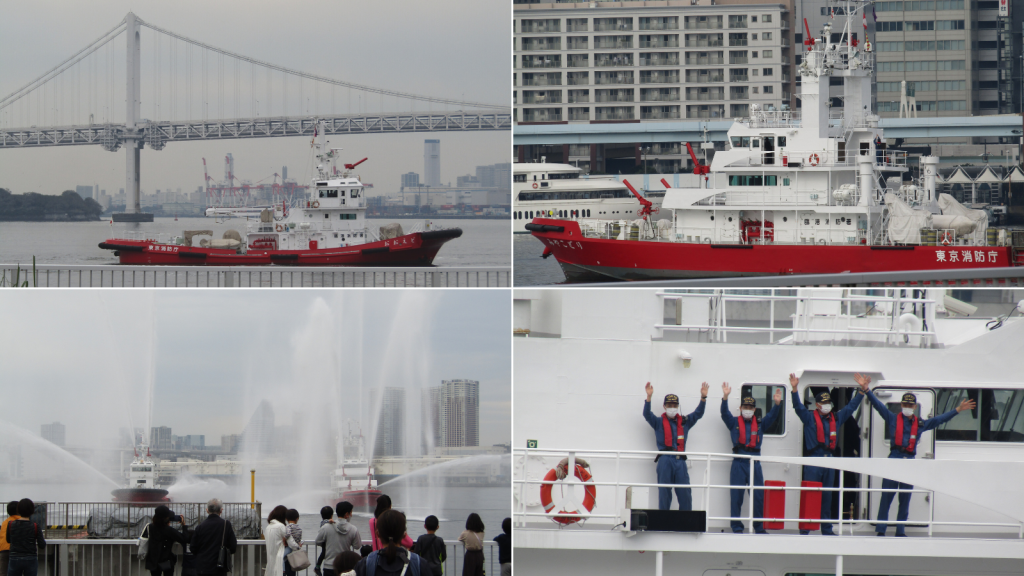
82,357
456,49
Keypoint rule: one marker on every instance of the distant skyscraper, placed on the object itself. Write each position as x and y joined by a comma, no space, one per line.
54,433
452,413
195,441
410,180
432,162
430,404
391,424
160,437
258,436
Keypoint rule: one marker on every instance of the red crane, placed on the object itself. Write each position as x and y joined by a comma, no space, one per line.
698,168
808,40
645,204
351,166
206,182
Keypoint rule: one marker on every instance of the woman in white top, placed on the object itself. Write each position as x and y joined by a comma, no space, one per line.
277,538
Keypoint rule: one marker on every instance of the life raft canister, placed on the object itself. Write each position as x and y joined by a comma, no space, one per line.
559,473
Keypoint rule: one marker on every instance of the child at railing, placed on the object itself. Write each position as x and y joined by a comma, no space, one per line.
295,532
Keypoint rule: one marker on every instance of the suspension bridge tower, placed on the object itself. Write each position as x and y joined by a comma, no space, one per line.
133,134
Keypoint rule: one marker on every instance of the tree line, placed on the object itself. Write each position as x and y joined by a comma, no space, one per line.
35,207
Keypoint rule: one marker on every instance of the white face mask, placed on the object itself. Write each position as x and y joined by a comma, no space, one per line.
826,408
671,412
908,412
748,414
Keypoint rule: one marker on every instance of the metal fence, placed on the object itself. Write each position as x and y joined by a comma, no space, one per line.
120,558
53,276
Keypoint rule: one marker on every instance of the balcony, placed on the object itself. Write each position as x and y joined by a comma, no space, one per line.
705,61
654,96
739,78
704,96
578,79
660,43
705,78
542,81
540,28
661,61
542,62
785,42
615,79
737,42
613,98
549,98
671,114
620,44
613,60
578,62
660,78
612,24
579,99
578,114
659,25
707,25
704,43
618,113
705,114
576,44
737,59
541,44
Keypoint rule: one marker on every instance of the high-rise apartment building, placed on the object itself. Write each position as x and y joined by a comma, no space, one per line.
258,435
53,433
628,62
160,437
432,162
410,180
430,403
391,423
452,413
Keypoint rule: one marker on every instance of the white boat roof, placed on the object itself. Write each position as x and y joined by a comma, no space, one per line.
543,167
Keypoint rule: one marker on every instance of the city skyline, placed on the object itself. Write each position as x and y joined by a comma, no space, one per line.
202,387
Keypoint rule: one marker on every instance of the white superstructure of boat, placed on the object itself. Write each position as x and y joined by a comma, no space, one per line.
582,358
541,189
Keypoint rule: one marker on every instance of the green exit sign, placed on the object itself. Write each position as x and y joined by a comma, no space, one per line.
531,443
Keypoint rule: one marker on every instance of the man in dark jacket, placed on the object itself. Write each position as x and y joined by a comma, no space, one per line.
26,539
206,541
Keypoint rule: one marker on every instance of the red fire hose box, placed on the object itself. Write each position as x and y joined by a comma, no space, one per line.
774,504
810,505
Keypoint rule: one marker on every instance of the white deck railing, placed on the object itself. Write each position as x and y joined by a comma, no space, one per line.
521,517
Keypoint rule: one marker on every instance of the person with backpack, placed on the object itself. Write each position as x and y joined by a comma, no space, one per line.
430,546
160,560
337,537
473,539
25,538
391,558
326,517
504,541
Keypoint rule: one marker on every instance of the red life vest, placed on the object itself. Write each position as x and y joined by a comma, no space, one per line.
743,434
821,430
897,438
680,446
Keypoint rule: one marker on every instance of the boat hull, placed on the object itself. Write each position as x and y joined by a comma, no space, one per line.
416,249
140,495
595,259
359,498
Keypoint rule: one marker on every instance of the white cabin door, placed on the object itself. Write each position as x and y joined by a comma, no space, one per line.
881,439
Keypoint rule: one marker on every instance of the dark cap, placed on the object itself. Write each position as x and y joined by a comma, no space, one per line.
823,398
909,398
671,399
748,401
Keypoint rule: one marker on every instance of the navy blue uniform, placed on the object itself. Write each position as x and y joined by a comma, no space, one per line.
923,425
827,476
739,474
672,468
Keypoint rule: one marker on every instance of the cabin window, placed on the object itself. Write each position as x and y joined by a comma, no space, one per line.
785,181
328,193
782,139
755,142
346,216
327,215
355,193
762,395
519,178
741,141
738,180
999,416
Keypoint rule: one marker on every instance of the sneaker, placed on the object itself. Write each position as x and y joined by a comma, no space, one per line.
805,532
879,533
901,535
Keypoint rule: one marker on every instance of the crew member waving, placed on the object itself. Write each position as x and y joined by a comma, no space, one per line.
747,432
906,429
820,434
672,432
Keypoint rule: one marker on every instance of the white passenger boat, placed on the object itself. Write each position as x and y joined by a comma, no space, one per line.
582,358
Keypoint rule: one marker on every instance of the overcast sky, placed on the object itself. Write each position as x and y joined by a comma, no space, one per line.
456,49
82,357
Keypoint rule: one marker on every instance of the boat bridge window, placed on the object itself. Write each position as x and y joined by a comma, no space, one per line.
519,178
574,195
782,140
328,193
755,142
741,141
567,176
356,192
762,395
737,180
346,216
999,416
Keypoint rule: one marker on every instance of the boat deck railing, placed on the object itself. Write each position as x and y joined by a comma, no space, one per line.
89,557
789,158
569,508
124,275
820,319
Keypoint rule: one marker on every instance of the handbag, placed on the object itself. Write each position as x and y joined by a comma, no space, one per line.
223,555
298,560
144,542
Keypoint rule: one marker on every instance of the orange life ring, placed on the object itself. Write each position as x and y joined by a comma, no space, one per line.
279,228
813,160
316,203
535,185
589,498
946,241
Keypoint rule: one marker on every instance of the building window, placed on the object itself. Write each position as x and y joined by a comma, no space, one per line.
766,71
767,89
